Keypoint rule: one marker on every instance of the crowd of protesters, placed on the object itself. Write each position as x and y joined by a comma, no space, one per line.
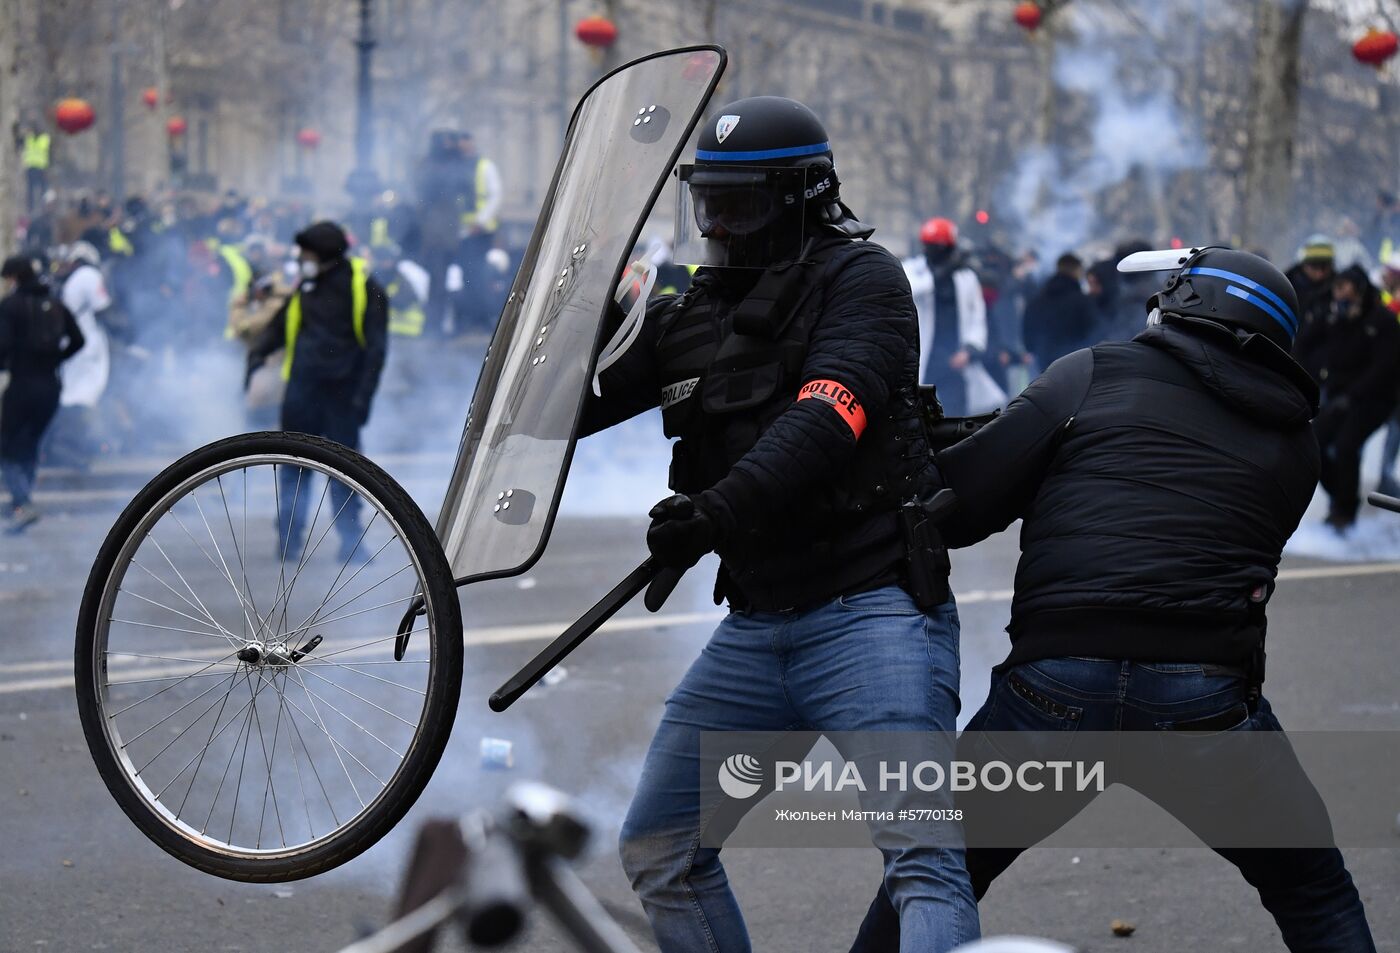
1007,319
153,278
166,283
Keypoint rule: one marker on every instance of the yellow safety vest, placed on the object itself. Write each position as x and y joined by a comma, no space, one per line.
408,321
379,231
118,243
36,151
359,300
242,272
242,281
479,186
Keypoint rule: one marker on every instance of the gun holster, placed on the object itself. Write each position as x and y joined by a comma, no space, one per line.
927,564
1257,600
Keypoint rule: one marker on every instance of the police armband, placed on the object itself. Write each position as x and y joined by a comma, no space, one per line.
840,399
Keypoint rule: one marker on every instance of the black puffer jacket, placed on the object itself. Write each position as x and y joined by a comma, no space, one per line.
1353,352
1158,480
37,333
806,511
1058,320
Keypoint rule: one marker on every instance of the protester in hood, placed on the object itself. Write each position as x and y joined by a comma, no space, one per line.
37,334
1101,285
1312,278
1059,319
1354,355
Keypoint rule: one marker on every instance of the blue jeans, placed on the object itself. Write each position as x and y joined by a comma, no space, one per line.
1307,890
867,662
321,409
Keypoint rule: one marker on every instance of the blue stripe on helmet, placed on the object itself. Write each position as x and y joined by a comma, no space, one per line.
1292,319
1262,305
710,155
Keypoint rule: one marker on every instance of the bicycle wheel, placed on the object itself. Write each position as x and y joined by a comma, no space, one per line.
235,661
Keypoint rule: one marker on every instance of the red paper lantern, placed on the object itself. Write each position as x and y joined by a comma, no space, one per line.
1375,47
596,31
308,138
1028,15
151,97
74,115
175,127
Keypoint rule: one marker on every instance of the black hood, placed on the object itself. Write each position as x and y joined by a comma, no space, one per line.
1248,371
1060,286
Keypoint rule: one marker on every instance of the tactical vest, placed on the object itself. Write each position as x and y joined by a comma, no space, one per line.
728,369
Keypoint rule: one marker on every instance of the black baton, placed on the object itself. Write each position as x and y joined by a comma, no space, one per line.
662,579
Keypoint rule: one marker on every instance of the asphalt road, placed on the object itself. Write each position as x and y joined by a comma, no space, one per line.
76,875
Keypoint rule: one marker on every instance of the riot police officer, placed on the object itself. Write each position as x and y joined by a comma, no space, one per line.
1157,480
788,373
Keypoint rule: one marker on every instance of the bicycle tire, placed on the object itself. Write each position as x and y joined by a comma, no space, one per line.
443,682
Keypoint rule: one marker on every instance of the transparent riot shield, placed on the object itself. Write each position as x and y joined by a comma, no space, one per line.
625,138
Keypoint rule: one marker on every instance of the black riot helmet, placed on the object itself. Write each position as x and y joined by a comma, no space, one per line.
1225,286
762,180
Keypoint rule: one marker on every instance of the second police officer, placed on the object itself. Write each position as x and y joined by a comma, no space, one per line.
788,371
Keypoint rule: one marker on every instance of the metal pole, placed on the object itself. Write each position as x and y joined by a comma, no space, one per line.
117,110
363,183
563,68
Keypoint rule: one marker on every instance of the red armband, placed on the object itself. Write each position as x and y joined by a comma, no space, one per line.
841,399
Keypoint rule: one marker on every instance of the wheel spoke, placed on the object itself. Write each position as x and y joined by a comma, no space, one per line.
156,543
335,746
181,596
185,615
169,687
350,667
233,538
168,628
243,607
199,755
366,701
337,590
312,619
142,770
247,722
268,760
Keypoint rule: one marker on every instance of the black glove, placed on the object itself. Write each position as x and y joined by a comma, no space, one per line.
680,532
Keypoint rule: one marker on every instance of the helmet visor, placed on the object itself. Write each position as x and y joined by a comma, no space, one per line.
738,217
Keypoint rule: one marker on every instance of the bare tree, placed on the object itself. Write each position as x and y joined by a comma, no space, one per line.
1272,123
10,188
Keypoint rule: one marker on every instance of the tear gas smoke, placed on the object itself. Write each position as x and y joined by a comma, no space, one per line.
1135,131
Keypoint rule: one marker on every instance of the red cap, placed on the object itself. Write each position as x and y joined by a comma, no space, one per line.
939,231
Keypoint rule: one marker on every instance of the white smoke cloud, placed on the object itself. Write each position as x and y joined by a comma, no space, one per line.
1134,129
